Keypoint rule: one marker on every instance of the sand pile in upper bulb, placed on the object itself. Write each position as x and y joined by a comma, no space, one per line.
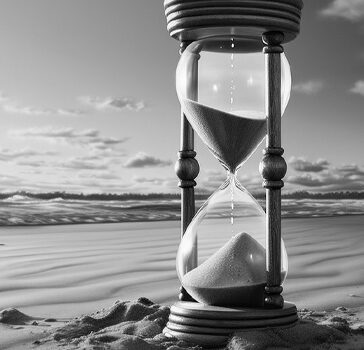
231,138
234,275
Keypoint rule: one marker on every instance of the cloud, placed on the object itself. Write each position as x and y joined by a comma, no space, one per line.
70,184
156,184
9,155
80,164
10,182
104,143
310,87
50,132
358,88
100,175
113,103
94,186
301,164
149,180
10,106
157,181
142,160
352,10
210,180
88,137
75,163
40,111
34,163
342,178
352,171
306,180
214,174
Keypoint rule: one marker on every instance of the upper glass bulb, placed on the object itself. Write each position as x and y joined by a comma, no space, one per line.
220,78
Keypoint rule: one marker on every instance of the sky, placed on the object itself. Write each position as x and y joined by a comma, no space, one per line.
88,101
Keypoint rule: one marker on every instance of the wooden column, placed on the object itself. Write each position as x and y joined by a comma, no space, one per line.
187,167
273,168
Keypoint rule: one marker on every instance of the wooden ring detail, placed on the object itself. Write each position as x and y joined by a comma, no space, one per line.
191,20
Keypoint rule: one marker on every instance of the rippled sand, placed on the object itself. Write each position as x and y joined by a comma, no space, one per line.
64,271
67,269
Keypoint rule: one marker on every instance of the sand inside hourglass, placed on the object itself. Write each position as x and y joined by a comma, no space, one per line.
231,138
235,275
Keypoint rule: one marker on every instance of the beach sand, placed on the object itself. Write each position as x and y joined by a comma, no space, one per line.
62,272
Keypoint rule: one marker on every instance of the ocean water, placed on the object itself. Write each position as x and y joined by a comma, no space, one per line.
21,210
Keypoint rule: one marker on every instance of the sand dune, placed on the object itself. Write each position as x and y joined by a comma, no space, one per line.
65,270
138,325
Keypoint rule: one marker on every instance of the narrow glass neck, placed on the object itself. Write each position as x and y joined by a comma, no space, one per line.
231,176
232,171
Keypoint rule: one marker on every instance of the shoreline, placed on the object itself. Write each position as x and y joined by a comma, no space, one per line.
166,220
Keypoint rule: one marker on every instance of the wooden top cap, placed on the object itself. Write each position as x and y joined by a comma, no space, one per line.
191,20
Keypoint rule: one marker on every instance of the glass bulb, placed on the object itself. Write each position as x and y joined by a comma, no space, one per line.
222,256
221,259
230,78
220,78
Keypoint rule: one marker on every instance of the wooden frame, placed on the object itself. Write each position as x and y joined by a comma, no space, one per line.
187,167
276,22
273,168
261,23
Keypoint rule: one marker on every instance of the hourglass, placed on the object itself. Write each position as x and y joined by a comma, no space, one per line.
222,257
231,261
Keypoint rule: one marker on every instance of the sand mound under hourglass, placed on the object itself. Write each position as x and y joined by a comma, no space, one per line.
232,139
233,276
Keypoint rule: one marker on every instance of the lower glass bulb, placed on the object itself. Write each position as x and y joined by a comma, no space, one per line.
221,259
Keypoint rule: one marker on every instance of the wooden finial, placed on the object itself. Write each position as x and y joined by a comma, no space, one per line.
187,168
183,46
273,38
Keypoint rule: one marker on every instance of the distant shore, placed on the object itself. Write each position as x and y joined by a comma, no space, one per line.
20,210
155,196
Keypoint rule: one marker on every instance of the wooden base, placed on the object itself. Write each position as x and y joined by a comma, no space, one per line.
212,325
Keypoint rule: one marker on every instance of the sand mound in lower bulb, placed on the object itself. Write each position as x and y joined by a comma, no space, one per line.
233,276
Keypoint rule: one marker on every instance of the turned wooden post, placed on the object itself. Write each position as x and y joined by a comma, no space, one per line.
187,167
273,168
